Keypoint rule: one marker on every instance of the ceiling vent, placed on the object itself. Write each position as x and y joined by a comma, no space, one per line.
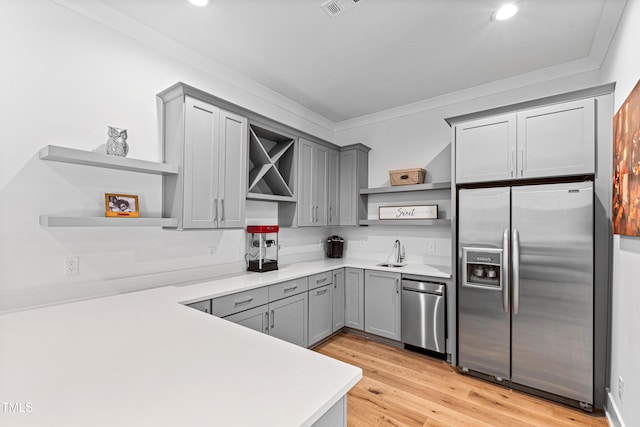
338,7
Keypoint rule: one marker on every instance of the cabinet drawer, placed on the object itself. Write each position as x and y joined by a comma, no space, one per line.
288,288
320,279
204,306
240,301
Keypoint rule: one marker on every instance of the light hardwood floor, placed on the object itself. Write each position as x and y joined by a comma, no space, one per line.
404,388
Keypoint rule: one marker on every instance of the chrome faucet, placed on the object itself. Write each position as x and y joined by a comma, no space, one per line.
400,255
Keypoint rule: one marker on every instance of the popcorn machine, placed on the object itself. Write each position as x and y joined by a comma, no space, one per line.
262,248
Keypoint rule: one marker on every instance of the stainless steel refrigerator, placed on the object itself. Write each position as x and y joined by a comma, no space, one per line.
525,295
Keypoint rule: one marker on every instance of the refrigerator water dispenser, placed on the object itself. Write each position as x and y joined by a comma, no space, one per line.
482,268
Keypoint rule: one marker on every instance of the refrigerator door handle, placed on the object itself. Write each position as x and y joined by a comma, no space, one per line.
505,270
516,271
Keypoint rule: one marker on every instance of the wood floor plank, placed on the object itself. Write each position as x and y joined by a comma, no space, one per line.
406,389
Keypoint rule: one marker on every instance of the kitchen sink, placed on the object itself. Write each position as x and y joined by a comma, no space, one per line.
391,265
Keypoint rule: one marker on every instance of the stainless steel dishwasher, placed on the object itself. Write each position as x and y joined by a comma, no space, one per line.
423,313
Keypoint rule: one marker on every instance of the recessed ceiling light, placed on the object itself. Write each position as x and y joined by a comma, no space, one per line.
505,12
199,2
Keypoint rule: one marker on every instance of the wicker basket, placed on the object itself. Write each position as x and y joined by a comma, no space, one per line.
407,176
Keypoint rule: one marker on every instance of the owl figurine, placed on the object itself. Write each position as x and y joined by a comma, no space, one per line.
117,143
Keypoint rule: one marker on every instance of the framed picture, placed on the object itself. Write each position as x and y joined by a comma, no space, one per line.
124,205
626,166
408,212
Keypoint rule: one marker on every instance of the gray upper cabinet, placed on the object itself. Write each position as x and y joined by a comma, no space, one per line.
485,149
333,189
338,299
354,175
320,313
210,146
548,141
382,315
354,298
232,174
312,195
557,140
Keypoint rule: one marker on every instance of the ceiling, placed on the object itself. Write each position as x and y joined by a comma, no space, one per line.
381,54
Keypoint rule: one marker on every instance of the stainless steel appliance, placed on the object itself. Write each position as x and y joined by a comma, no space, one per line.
525,294
423,313
335,245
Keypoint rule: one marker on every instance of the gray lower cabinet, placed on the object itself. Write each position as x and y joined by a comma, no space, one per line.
204,306
338,299
320,313
288,319
210,146
256,318
336,416
354,298
382,315
285,318
240,301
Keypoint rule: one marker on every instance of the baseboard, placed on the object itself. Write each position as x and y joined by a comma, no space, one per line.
611,411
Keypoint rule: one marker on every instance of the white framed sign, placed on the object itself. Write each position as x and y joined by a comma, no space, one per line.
408,212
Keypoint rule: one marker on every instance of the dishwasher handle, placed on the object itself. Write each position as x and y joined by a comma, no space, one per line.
423,287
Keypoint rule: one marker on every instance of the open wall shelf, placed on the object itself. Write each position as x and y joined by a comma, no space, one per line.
90,158
407,188
271,165
434,222
433,193
74,221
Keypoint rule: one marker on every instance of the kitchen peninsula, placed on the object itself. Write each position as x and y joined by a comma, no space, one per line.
144,358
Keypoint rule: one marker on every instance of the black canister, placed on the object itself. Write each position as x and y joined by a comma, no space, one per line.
334,246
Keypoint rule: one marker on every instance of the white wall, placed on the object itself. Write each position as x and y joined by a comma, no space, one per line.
418,136
64,78
622,65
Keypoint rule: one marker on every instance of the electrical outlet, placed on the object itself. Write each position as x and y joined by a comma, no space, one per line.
620,388
431,246
71,266
363,243
211,251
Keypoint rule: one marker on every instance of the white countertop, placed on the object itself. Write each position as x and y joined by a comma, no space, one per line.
249,280
143,359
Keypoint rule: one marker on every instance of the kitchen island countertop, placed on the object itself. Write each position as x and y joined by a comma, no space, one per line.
145,359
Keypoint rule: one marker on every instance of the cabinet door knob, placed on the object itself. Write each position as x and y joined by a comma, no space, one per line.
222,210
